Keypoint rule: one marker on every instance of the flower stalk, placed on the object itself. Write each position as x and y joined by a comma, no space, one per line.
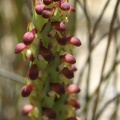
51,63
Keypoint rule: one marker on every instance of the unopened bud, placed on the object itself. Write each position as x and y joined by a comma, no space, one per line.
27,109
39,8
72,9
47,2
59,26
47,13
56,0
33,72
74,41
68,58
58,88
61,41
47,54
74,102
20,47
73,68
26,90
28,37
72,89
65,6
50,113
67,73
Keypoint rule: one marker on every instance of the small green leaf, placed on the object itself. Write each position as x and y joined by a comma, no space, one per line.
44,34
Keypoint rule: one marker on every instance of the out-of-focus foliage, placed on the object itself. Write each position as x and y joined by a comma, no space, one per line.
92,23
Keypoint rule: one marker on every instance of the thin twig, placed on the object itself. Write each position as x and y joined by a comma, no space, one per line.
11,76
100,17
104,62
105,106
92,48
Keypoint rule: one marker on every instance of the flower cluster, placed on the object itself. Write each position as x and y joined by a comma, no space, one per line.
51,64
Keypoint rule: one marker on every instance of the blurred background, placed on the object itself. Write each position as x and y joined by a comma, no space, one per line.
97,24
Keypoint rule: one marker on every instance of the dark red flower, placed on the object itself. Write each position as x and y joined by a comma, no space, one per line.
50,113
58,88
74,102
26,90
33,72
67,73
47,54
47,2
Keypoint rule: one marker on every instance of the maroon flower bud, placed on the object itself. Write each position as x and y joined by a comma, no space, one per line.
72,9
68,58
34,31
47,2
33,72
47,13
65,6
47,54
58,88
61,41
72,89
50,113
74,102
67,73
26,90
56,0
39,8
27,109
71,118
74,41
19,48
28,37
73,68
59,26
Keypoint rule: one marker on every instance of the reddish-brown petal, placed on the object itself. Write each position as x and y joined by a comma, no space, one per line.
47,2
58,88
50,113
33,72
74,102
67,73
26,90
61,41
47,54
